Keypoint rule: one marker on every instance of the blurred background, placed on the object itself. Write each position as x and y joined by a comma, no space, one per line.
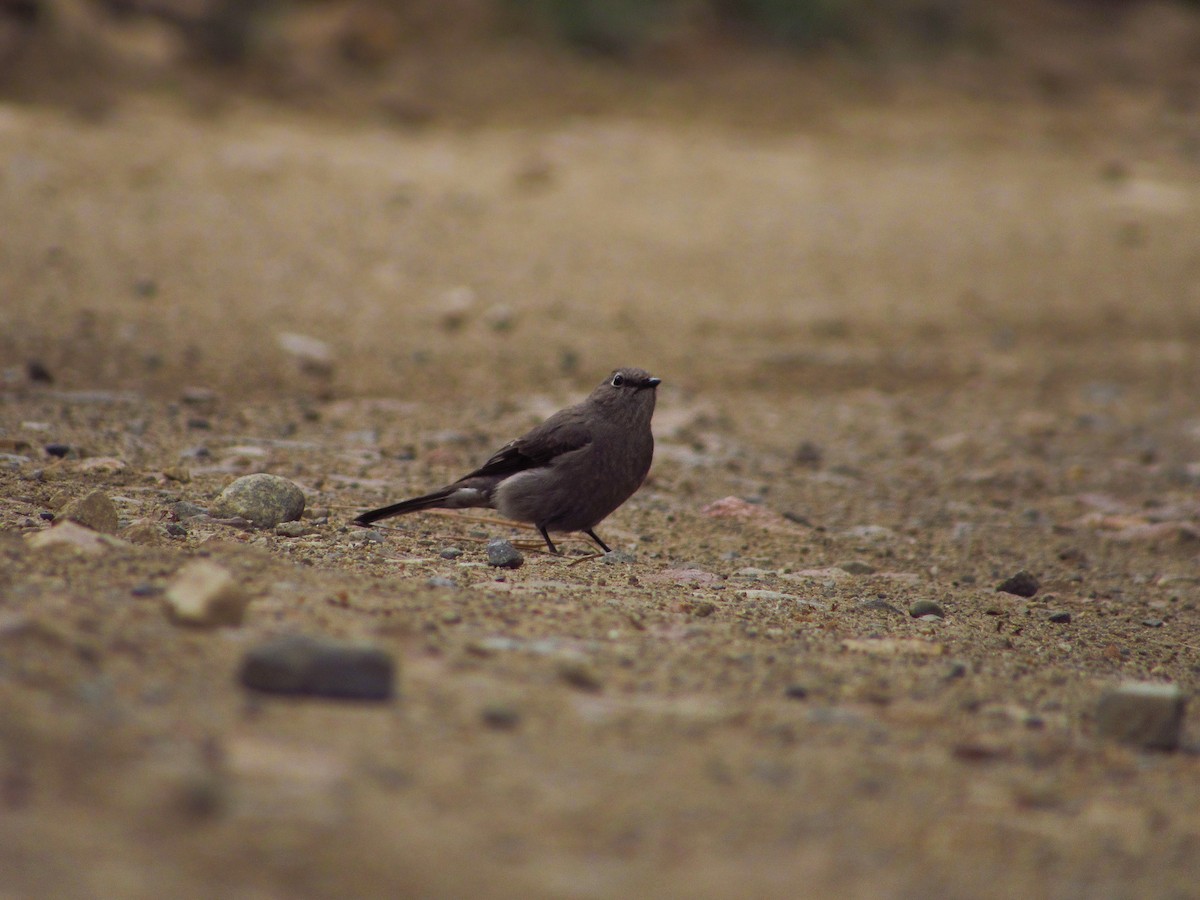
812,192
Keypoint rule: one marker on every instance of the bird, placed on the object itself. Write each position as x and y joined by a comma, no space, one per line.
566,474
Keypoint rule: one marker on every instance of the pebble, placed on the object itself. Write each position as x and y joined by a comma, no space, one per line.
438,581
1060,617
922,608
313,355
58,450
856,567
500,716
702,609
319,667
503,555
1023,584
205,595
1145,714
144,532
578,674
450,553
1153,623
95,510
618,557
293,529
264,500
74,535
795,692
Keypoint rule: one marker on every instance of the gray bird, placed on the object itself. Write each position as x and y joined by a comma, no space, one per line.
567,474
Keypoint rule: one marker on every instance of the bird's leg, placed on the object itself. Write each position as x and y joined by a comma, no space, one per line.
595,537
549,543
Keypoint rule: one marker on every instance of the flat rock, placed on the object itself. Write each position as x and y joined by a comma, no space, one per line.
70,534
1145,714
95,510
319,667
205,595
263,500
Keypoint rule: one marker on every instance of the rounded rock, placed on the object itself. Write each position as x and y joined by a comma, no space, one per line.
503,555
922,608
263,500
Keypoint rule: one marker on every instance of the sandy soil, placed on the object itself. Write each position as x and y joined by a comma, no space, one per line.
932,342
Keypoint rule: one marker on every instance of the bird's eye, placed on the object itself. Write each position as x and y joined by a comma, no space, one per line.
618,380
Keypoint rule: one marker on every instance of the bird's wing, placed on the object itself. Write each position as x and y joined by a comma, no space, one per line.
540,447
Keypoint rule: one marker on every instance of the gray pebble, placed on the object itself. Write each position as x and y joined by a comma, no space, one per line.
292,529
369,536
1022,584
856,567
437,581
450,553
796,692
921,608
1153,623
1142,713
503,555
1060,617
264,500
319,667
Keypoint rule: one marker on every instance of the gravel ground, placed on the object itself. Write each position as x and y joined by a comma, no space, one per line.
907,354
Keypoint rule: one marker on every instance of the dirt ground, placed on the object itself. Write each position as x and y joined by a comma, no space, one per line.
930,340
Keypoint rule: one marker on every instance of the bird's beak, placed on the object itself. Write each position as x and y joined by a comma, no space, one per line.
652,382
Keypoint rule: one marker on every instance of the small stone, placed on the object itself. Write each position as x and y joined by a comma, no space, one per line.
1022,584
313,355
500,716
37,372
205,595
578,674
73,535
174,529
808,454
922,608
795,692
503,555
57,450
185,510
1145,714
450,553
292,529
95,510
144,533
264,500
1153,623
702,609
856,567
438,581
618,558
368,536
319,667
145,589
1059,617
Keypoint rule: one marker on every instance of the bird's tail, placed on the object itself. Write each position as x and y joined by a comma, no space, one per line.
435,500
